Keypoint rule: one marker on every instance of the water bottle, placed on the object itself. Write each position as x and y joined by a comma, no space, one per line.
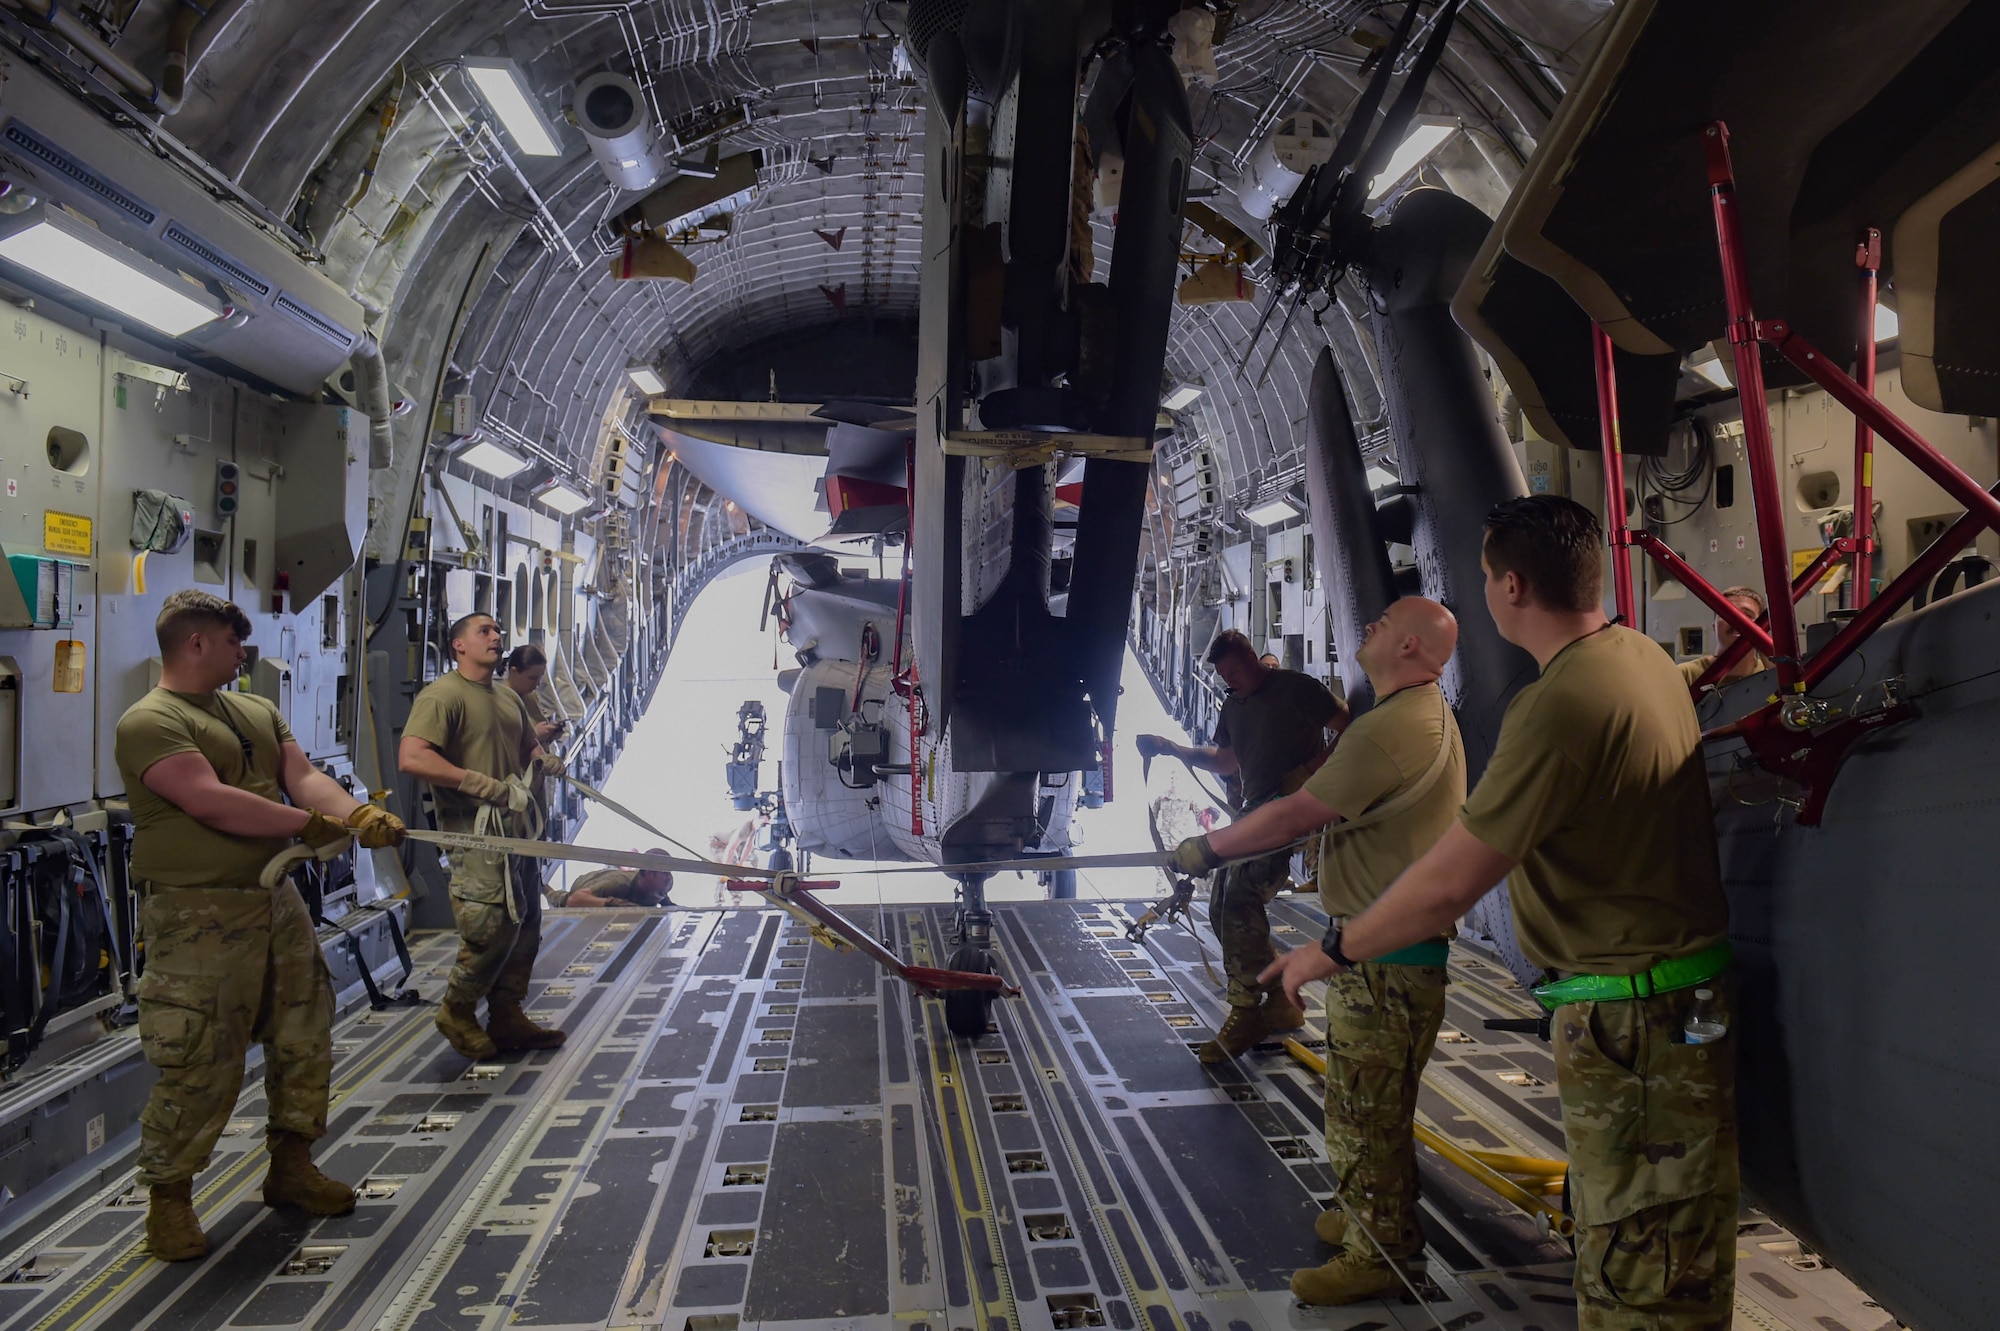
1705,1024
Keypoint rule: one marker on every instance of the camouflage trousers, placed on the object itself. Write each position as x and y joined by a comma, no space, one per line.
225,967
496,951
1381,1024
1651,1125
1237,897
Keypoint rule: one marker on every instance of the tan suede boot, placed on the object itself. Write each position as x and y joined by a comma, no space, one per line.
294,1180
1239,1032
511,1028
1281,1013
172,1231
460,1025
1349,1278
1331,1226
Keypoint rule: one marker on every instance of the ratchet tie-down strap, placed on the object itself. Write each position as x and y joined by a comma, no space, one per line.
781,888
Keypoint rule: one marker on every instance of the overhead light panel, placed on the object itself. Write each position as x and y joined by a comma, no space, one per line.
646,379
1182,398
499,463
1272,512
1424,138
1887,325
563,497
56,247
506,94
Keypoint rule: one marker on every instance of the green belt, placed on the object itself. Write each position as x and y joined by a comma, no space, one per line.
1436,952
1665,978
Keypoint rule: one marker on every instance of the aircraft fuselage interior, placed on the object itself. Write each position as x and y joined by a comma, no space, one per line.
1004,353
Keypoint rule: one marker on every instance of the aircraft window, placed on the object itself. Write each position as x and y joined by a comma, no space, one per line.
208,556
522,599
1725,486
69,451
1818,489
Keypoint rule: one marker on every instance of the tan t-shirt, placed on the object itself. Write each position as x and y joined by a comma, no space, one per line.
1384,752
1275,729
1692,671
1598,788
170,847
480,727
1695,669
533,704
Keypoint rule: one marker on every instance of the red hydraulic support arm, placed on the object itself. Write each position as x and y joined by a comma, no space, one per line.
1747,629
1758,453
1868,258
1617,522
1906,441
1905,585
1726,659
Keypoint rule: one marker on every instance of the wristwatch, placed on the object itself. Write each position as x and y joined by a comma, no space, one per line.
1331,946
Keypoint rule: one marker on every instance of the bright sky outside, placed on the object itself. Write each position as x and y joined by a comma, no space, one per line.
671,772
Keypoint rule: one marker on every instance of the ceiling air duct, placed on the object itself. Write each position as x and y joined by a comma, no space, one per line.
611,112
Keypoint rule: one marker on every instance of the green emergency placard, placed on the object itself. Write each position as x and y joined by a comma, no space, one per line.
65,534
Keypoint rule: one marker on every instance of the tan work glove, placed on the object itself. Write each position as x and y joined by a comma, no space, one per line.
551,764
483,788
321,831
375,827
1195,856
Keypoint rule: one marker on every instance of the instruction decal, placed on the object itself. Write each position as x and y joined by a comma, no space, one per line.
65,533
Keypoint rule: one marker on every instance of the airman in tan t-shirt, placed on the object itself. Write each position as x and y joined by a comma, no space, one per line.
1389,788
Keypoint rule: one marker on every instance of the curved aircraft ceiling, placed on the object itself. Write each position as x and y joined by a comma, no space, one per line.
458,243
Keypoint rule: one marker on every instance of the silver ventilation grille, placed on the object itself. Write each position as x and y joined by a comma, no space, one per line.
325,327
39,149
195,247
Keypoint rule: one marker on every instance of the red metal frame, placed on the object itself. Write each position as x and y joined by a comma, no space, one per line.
1900,589
1618,520
1726,659
1793,736
1867,258
1623,537
1725,609
1758,452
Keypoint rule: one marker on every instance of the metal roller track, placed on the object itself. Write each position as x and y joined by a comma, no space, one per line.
748,1130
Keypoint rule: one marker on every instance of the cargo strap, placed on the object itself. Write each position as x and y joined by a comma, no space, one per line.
1411,795
1677,973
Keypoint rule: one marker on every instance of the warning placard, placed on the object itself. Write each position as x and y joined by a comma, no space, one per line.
65,534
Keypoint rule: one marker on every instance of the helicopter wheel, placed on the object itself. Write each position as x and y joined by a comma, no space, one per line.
966,1011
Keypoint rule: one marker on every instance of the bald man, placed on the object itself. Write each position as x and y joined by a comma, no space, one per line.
1391,788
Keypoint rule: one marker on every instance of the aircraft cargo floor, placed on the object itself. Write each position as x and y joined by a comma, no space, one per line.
746,1129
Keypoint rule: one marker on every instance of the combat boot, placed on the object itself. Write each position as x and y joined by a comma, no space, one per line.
172,1231
1281,1013
1349,1278
1239,1032
460,1024
511,1028
1331,1226
294,1180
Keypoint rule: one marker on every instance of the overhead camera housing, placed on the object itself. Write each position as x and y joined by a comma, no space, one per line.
611,111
